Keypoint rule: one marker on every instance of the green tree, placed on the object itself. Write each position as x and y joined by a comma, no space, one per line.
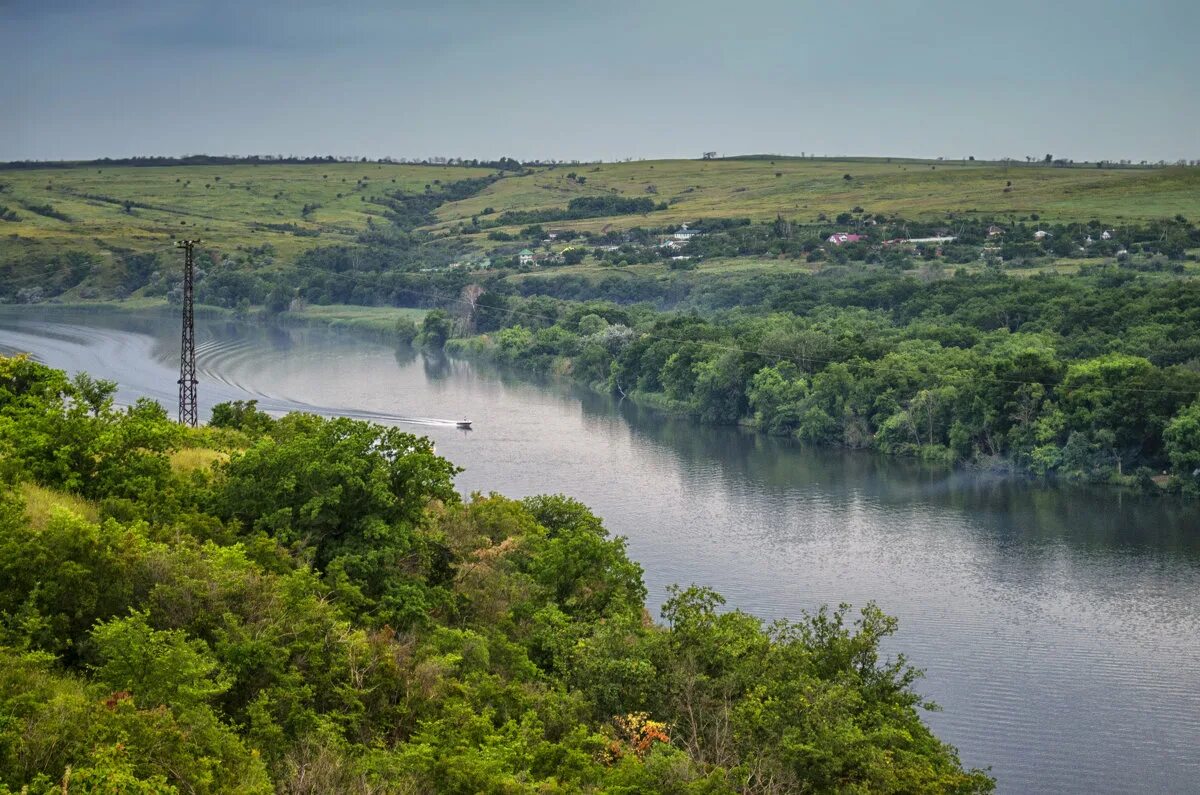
1182,439
159,667
436,328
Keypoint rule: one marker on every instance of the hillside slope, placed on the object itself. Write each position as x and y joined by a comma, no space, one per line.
97,231
292,207
84,207
804,189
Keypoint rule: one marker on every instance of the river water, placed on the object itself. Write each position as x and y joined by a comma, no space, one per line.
1059,628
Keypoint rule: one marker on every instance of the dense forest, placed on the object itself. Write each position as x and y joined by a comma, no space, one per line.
306,605
1093,377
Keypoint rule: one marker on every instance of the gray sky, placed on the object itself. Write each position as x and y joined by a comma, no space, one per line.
608,80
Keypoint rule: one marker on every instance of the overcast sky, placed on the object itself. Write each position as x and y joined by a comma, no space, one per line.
605,79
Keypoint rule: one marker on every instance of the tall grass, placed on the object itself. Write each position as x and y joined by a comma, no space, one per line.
41,503
192,458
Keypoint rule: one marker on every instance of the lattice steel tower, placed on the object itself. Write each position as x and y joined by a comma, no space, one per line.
187,355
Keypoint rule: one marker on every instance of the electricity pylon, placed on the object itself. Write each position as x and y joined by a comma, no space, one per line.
187,355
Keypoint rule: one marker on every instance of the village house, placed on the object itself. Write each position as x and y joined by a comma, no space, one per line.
994,231
1041,234
684,234
525,257
679,239
1107,234
838,238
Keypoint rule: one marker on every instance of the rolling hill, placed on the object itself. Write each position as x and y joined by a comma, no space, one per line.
761,188
293,207
75,228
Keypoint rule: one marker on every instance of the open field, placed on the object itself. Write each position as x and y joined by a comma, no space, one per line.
591,269
743,266
375,319
804,189
249,205
234,205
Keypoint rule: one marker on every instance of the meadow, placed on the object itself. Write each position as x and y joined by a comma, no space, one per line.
74,232
373,320
295,207
289,206
804,190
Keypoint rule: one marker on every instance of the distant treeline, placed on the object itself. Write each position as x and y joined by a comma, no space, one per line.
583,207
409,210
1027,160
503,164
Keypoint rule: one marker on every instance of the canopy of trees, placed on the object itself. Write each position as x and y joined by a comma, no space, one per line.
583,207
1094,377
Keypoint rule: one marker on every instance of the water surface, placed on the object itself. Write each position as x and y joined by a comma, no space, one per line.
1059,627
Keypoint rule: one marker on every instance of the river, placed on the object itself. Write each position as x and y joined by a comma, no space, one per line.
1059,628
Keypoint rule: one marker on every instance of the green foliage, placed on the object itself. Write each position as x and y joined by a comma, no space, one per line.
1075,377
68,435
406,331
1182,437
322,613
581,207
241,415
159,668
436,328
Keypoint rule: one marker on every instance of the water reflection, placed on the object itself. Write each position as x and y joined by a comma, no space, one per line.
405,355
436,365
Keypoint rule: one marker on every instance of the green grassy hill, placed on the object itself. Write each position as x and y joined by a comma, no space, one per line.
234,205
803,189
109,213
254,204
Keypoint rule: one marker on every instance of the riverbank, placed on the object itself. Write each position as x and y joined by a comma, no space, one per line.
378,323
495,349
395,326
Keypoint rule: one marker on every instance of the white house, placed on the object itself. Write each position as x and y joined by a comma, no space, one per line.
1107,234
1041,234
684,234
838,238
525,257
